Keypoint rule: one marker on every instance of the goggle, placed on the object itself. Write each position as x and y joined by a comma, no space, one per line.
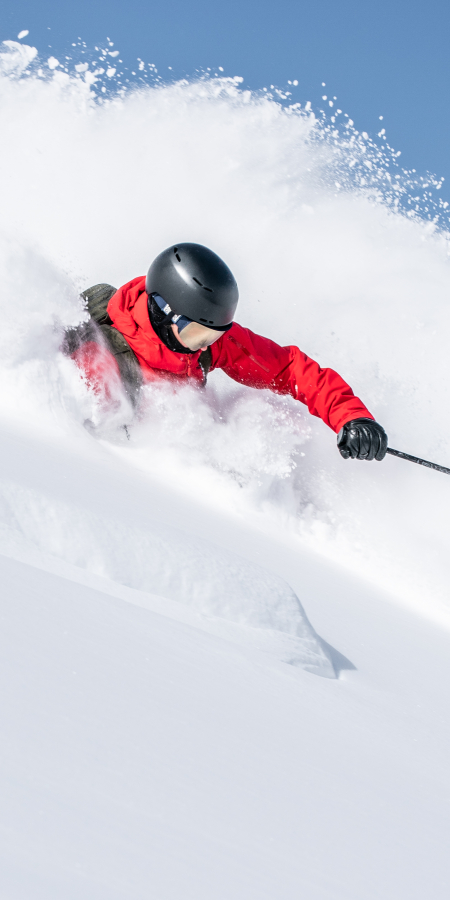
182,321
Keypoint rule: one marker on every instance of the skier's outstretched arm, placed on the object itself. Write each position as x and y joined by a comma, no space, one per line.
259,362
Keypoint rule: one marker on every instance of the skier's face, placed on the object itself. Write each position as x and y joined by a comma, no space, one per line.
195,336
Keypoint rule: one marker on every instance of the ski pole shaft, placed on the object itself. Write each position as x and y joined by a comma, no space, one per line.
418,460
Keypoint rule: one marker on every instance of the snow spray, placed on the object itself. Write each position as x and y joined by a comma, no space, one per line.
334,247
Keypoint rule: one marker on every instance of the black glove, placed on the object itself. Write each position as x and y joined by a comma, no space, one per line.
362,439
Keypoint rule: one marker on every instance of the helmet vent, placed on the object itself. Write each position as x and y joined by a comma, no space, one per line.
202,285
175,250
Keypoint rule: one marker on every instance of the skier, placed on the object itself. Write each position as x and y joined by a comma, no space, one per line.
178,322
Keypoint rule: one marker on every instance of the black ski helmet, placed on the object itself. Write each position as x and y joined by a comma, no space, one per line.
195,283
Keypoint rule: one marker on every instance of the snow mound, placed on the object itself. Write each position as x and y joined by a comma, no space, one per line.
130,740
99,532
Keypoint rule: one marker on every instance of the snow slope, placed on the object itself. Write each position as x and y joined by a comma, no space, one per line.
143,757
169,599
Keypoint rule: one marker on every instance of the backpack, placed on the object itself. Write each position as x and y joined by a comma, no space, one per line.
96,301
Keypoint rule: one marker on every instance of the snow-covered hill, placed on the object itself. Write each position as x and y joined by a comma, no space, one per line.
168,600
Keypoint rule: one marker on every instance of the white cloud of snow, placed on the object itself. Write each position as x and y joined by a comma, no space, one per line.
15,58
354,283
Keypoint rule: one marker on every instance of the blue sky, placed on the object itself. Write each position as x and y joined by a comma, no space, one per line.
378,58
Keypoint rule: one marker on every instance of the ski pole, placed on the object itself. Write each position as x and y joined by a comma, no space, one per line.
418,460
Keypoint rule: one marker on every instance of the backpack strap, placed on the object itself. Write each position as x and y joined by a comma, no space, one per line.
127,361
205,362
96,299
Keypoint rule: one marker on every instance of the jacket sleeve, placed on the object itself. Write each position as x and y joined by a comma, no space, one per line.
260,363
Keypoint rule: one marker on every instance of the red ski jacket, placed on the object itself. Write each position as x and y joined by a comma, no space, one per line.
246,357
